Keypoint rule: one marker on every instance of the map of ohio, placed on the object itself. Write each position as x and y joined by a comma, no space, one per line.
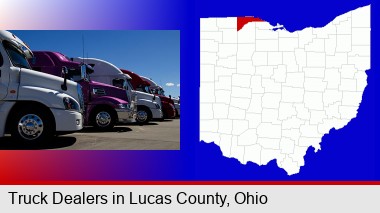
269,94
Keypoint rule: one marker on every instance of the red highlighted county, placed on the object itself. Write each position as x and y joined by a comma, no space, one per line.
241,21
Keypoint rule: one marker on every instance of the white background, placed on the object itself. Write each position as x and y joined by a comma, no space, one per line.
280,198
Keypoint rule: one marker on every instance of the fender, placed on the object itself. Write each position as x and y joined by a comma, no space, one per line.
166,99
147,103
168,109
5,108
102,100
51,98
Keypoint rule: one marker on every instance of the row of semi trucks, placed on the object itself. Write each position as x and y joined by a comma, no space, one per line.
45,93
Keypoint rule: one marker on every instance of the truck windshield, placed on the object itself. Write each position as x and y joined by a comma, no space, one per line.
16,55
76,75
118,82
162,92
143,88
146,89
158,91
121,83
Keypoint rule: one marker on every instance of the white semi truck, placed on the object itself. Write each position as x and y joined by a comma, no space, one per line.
148,105
34,106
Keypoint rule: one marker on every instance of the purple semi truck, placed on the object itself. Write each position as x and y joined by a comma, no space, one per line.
105,105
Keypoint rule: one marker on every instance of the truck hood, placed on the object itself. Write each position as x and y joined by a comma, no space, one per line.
164,98
109,90
142,95
39,79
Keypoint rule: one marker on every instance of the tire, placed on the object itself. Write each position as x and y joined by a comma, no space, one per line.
32,125
103,119
143,115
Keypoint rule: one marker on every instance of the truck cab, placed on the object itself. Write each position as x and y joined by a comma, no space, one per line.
34,106
148,106
105,104
169,107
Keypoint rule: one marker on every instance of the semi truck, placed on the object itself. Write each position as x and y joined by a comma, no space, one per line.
142,88
105,104
144,99
171,110
34,106
148,106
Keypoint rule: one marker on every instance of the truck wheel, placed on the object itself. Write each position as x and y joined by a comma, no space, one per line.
32,125
143,115
104,119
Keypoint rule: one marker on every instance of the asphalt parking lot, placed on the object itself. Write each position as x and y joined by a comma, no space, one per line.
157,135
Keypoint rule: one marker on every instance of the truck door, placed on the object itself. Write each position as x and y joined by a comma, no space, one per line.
3,79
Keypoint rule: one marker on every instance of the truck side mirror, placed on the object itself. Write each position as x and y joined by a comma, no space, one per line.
154,97
65,73
89,69
83,71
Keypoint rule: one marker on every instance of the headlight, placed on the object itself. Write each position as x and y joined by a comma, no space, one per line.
70,104
123,106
